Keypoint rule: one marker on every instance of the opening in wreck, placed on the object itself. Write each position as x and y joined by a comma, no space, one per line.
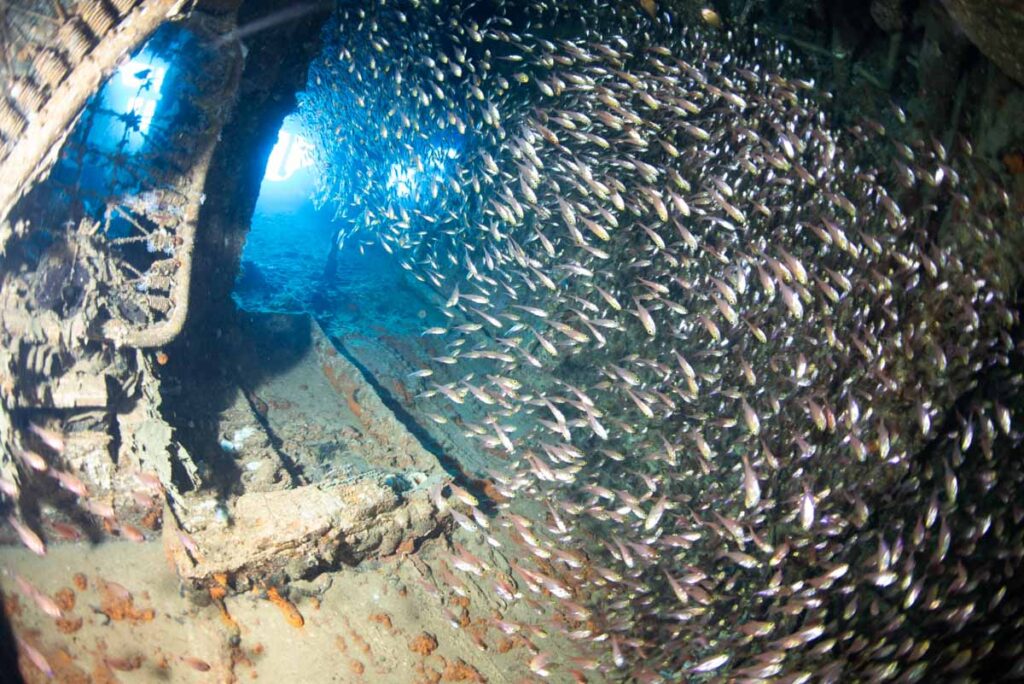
487,341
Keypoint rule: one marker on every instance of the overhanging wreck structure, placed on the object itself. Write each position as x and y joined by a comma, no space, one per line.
108,287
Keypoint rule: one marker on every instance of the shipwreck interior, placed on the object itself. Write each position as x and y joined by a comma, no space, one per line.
511,340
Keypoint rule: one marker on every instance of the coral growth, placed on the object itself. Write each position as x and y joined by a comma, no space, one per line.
424,644
288,609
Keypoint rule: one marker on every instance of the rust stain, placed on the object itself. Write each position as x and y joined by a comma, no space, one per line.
343,386
1014,162
354,406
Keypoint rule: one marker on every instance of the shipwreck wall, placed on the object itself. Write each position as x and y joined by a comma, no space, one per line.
276,61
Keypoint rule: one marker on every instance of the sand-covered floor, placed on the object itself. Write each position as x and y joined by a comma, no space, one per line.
385,622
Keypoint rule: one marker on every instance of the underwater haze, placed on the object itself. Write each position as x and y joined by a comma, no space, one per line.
610,341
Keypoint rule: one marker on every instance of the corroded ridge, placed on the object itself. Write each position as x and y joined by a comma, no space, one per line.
36,125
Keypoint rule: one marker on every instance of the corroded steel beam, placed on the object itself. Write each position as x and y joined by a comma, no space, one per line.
36,148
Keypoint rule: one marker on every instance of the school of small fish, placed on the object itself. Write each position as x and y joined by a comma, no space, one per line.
756,371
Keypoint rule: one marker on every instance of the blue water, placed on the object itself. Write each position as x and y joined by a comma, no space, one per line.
289,239
283,260
286,265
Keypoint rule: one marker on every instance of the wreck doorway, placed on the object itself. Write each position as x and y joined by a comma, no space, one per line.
288,238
